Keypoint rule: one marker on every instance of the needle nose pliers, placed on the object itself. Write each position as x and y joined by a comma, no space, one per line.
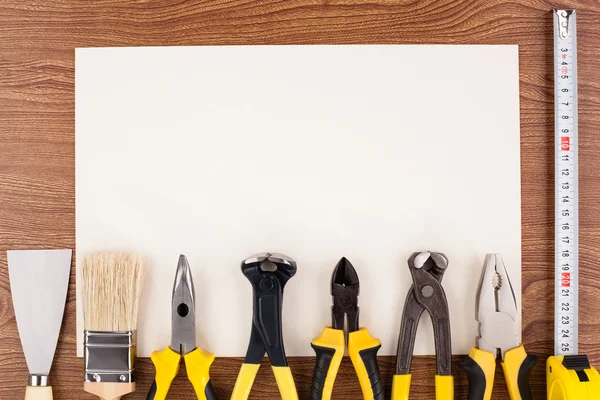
183,343
268,273
330,346
427,270
499,333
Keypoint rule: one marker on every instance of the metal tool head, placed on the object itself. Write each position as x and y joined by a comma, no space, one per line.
271,262
496,307
432,262
345,288
39,280
183,326
282,266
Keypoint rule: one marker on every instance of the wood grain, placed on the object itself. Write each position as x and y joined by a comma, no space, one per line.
37,206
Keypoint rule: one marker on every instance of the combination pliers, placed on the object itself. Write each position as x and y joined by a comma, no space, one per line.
183,343
499,337
331,345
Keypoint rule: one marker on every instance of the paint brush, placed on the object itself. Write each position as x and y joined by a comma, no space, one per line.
112,286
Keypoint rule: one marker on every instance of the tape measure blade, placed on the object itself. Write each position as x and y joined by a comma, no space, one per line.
566,184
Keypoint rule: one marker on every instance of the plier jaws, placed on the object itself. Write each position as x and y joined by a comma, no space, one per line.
345,288
497,312
183,310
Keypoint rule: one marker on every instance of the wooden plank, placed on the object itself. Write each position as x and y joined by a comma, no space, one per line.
37,206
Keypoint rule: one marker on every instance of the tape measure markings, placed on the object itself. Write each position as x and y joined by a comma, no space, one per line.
566,184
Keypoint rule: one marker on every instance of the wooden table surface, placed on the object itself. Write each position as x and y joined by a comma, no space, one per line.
37,160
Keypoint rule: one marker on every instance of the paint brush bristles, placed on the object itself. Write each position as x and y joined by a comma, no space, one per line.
112,286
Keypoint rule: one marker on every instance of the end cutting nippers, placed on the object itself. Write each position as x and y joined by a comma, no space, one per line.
426,293
268,273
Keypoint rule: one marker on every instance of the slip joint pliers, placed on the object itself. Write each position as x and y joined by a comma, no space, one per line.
499,337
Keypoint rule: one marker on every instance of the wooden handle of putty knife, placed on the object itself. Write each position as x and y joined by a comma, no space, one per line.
109,390
38,393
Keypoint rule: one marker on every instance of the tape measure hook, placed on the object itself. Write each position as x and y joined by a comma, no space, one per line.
564,22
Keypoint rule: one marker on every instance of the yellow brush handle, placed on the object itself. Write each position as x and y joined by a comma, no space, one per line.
244,382
444,387
480,368
564,383
38,393
401,387
285,382
363,349
166,363
517,365
329,348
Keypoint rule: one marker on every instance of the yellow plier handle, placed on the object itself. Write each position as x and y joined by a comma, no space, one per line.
329,347
444,387
167,363
198,364
363,348
480,368
247,375
572,378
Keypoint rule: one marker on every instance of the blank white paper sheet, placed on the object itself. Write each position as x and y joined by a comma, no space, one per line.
317,152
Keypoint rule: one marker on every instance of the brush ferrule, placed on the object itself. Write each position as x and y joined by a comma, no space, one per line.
109,356
38,380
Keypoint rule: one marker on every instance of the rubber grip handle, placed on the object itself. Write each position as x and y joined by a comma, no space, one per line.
480,367
401,387
321,387
244,381
329,348
198,364
38,393
363,349
517,366
444,387
285,382
166,363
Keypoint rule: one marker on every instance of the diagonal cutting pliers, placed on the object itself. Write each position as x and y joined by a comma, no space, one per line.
427,270
268,273
331,345
499,336
183,343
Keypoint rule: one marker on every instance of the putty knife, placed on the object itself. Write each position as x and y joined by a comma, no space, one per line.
38,282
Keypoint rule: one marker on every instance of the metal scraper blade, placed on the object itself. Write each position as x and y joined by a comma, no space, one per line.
38,281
